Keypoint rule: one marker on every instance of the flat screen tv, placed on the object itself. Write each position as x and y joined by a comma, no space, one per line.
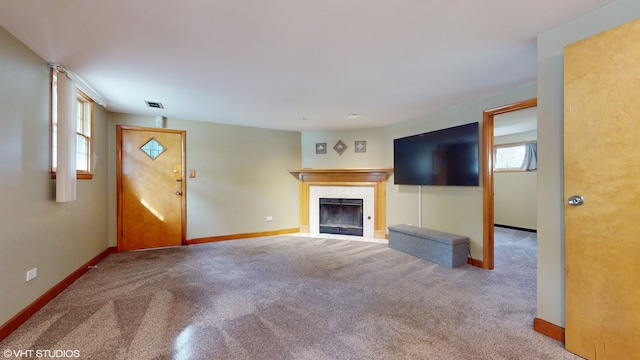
442,157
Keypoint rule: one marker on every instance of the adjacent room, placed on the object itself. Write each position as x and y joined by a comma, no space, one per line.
222,180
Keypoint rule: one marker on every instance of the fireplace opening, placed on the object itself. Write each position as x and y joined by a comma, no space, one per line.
341,216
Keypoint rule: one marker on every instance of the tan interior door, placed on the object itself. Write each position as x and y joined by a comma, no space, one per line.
151,188
602,164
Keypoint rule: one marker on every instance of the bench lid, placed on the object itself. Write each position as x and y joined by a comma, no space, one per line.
435,235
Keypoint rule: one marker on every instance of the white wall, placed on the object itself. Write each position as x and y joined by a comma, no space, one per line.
515,201
550,148
35,231
446,208
241,177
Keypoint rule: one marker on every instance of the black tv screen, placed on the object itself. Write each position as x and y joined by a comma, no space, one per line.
442,157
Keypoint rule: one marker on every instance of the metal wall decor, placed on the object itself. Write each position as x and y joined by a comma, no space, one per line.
340,147
361,146
321,148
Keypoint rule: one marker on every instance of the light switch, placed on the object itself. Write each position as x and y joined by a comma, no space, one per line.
192,173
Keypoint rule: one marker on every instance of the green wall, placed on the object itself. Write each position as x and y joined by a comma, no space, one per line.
241,177
459,210
58,238
445,208
35,231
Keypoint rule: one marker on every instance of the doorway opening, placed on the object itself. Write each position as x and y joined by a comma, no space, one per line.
488,249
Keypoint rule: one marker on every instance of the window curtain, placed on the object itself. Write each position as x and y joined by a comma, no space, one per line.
67,142
530,161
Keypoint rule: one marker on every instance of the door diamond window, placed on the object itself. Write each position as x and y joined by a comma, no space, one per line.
153,148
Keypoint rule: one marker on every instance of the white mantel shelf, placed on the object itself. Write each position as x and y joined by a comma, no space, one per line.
375,178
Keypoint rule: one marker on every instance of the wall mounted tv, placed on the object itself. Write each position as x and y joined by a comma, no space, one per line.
442,157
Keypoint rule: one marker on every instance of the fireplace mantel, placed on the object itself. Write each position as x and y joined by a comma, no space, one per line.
342,175
375,178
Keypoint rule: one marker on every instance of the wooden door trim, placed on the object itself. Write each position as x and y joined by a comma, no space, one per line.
183,210
487,176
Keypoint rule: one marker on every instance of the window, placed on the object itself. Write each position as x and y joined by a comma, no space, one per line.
516,157
83,133
85,110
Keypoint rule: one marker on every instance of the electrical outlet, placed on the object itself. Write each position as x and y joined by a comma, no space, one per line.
269,218
32,274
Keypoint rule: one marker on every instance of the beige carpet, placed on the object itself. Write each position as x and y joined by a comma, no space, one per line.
293,297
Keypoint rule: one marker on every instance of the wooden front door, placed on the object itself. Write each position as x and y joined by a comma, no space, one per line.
151,188
602,164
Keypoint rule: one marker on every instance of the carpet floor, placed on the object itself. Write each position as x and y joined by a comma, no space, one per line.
296,297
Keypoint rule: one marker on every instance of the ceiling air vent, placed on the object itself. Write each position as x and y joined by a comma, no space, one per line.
153,104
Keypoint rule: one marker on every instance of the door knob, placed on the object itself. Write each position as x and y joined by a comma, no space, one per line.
575,200
178,192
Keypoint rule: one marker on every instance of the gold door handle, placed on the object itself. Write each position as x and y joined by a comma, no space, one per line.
178,192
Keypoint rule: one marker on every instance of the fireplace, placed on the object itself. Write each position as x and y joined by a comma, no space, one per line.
367,184
341,216
338,201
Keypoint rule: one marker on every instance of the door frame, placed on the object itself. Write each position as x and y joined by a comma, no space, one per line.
183,210
487,176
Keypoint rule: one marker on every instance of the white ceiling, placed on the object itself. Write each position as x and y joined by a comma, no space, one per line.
269,63
515,122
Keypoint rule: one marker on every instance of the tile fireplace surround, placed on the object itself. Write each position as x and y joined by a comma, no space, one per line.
367,184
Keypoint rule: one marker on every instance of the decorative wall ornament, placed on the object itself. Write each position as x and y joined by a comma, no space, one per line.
340,147
321,148
361,146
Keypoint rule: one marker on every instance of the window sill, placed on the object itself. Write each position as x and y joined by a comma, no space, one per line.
512,170
79,175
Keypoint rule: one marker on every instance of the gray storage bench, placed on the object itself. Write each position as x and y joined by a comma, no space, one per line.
441,248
